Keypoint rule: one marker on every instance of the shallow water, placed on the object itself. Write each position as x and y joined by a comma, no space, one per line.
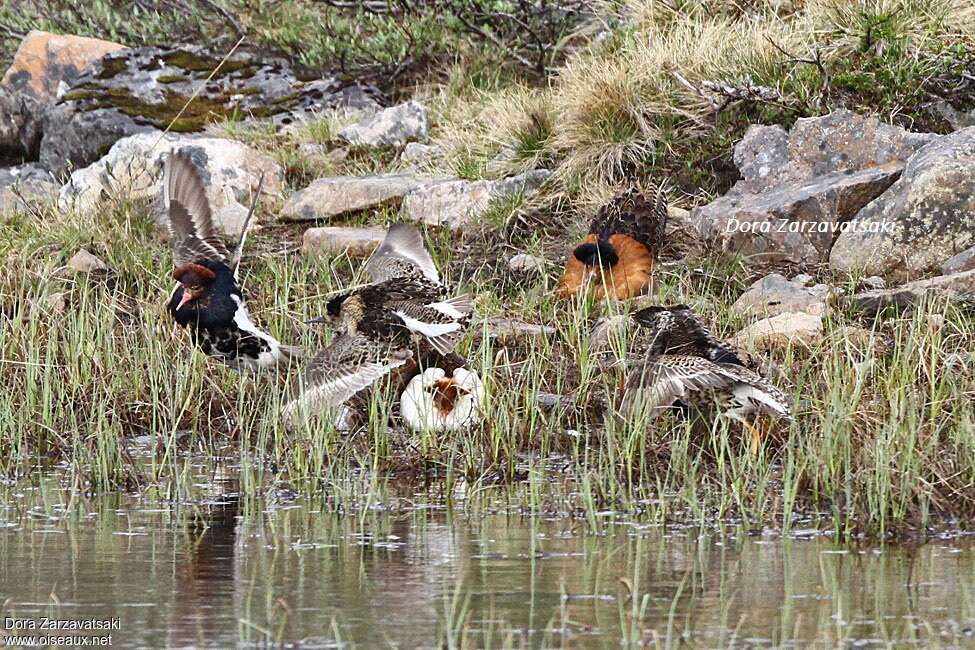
213,571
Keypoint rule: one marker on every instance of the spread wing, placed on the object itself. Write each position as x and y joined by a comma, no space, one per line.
402,254
188,213
348,365
660,381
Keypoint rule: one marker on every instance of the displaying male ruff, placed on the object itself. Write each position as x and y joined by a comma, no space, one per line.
208,298
686,365
382,324
434,402
620,252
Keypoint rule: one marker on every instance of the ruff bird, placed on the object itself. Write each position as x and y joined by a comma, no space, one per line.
434,402
620,251
384,324
686,365
208,298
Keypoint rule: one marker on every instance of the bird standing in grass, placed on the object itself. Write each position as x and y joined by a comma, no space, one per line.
621,249
208,298
685,364
384,324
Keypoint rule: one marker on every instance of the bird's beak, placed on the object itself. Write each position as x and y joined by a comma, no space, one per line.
316,321
187,296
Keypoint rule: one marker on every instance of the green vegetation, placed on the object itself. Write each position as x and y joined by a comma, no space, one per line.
884,439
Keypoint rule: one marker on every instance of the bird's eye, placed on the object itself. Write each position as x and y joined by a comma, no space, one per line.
195,288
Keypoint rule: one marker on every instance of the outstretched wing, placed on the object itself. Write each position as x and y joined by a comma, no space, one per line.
402,254
660,381
188,213
348,365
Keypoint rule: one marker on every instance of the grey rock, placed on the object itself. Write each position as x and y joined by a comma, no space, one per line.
332,196
30,183
415,153
458,204
781,331
963,261
44,64
390,127
138,89
874,282
798,187
20,128
774,295
524,263
335,240
84,262
957,287
924,219
132,169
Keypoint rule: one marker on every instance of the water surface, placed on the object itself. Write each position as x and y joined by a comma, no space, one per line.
213,571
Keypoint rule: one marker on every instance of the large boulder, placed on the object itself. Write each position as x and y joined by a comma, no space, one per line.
799,187
963,261
924,219
45,61
458,204
332,196
132,169
28,183
43,66
153,87
391,127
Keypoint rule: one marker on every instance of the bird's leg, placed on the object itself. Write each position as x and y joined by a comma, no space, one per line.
757,436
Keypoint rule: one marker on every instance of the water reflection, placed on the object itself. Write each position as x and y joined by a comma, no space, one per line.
222,573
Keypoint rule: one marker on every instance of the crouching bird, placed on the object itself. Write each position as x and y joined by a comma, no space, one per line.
382,325
621,249
687,366
434,402
208,299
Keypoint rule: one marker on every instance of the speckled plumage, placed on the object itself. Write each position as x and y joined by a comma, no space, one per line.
686,364
384,323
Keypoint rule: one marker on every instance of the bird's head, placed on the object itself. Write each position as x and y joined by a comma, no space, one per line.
196,281
663,323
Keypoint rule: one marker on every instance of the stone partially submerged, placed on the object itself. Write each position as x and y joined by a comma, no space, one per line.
798,188
132,169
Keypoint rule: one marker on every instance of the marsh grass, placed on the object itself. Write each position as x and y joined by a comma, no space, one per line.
882,443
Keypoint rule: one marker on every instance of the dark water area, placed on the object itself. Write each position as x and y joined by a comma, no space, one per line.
222,571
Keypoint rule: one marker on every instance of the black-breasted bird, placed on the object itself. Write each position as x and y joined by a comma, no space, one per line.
208,299
687,364
621,249
383,325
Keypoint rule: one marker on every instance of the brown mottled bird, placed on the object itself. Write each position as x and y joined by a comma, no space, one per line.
383,325
620,251
687,366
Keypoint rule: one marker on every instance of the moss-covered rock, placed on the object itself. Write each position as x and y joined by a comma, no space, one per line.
179,88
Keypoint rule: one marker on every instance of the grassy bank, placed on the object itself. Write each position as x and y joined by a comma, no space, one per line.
884,439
